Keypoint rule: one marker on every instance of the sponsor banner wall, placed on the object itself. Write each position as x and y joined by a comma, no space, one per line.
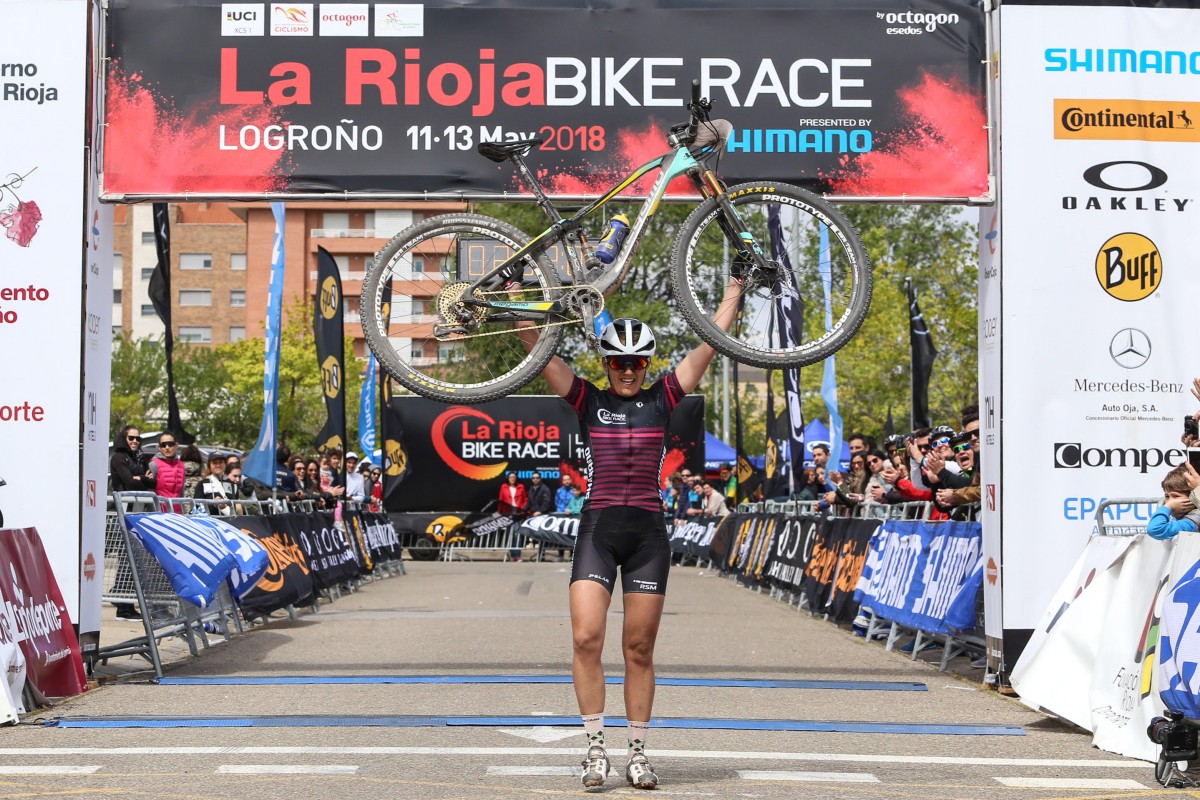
1100,210
54,241
34,615
879,99
457,456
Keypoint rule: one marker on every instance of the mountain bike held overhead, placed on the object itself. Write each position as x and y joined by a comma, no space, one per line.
478,308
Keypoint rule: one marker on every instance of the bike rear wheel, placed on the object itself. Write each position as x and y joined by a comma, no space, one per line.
430,265
783,322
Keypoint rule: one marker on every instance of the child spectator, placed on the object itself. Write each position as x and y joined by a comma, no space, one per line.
1177,514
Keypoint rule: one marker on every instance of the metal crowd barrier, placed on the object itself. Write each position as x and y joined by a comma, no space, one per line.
505,540
1121,506
133,576
877,627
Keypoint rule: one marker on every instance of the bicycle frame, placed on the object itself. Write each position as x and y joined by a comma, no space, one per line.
608,279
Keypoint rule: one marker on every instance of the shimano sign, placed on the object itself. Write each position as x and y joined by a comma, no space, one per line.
1073,455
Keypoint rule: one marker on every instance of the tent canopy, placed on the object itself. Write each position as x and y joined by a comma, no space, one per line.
717,452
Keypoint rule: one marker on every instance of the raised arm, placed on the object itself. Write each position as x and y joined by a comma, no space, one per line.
692,368
557,373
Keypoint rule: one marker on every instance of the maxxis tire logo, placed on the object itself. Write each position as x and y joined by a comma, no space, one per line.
1129,267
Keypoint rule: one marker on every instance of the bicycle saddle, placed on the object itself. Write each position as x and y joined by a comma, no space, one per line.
502,151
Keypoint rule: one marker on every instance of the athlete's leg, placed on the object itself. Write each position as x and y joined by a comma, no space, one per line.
643,612
589,614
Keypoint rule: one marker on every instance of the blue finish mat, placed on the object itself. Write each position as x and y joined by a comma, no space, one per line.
272,680
450,722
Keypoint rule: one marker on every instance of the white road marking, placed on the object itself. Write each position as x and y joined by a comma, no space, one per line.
535,771
1070,783
543,735
1098,763
9,769
286,769
783,775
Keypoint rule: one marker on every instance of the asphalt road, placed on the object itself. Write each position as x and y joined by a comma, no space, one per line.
493,618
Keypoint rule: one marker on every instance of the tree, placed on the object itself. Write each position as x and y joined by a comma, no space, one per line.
220,388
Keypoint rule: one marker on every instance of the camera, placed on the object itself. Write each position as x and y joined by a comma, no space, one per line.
1177,737
1190,426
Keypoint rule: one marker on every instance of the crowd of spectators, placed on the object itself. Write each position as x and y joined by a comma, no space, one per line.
187,473
937,465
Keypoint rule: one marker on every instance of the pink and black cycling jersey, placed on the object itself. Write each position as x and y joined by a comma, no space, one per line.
626,441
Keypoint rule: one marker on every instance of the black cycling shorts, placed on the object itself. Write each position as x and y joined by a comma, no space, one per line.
621,536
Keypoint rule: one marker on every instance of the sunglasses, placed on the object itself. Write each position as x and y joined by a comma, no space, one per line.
622,363
166,444
874,461
941,441
958,448
134,438
924,448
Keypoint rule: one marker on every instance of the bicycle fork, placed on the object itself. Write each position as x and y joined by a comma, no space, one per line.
749,252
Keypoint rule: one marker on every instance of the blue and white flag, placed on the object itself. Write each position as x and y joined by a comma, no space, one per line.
829,379
250,557
366,410
259,463
1179,656
193,557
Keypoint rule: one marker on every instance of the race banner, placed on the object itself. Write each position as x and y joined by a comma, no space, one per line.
330,556
878,100
383,543
755,548
33,614
1092,661
793,547
693,536
556,530
12,686
289,580
853,554
250,558
463,452
821,569
917,570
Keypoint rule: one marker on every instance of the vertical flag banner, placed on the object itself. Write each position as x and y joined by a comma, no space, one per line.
396,466
366,410
160,295
259,463
774,481
923,354
790,311
329,333
829,378
748,478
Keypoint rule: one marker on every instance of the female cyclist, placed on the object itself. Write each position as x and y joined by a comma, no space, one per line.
624,429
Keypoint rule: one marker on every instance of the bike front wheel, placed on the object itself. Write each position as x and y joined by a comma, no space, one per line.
805,308
430,267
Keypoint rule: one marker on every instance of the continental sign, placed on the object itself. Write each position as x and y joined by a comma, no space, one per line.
1142,120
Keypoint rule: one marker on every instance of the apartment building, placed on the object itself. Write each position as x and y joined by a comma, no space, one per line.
221,262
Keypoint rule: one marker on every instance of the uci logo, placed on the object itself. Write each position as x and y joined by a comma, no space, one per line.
331,298
1129,267
331,377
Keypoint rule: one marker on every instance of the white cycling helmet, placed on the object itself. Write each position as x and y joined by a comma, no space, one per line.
626,337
